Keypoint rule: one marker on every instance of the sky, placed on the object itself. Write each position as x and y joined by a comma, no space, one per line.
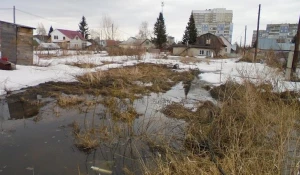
129,14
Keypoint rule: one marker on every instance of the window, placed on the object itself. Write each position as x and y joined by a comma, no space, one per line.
201,52
55,37
64,38
207,53
207,41
76,37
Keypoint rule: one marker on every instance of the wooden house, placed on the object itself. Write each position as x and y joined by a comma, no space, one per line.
134,43
207,45
16,43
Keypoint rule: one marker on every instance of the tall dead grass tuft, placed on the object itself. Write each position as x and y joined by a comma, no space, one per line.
69,100
274,60
252,132
120,110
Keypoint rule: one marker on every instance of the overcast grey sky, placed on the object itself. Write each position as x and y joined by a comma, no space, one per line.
128,14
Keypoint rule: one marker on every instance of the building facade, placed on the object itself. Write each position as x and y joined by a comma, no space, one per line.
207,45
16,43
282,33
216,21
68,39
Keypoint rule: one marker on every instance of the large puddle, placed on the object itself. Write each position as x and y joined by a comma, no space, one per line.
41,140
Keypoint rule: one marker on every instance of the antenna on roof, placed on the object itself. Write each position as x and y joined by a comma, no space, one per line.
162,6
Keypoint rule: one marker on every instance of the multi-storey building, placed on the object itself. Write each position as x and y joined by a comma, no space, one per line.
283,33
217,21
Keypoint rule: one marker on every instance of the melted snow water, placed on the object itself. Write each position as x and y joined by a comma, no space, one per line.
46,146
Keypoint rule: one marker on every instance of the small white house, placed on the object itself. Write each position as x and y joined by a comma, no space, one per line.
228,45
133,42
68,39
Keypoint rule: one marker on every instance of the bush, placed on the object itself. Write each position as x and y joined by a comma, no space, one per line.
137,52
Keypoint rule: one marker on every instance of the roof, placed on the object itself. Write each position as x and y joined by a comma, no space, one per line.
71,34
134,41
18,25
224,39
43,38
218,38
111,43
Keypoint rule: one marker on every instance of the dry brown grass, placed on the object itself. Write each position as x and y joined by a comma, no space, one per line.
120,110
249,57
273,60
188,60
249,134
86,140
137,52
83,65
69,100
121,82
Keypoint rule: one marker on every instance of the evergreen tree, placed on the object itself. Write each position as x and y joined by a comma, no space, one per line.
50,31
83,28
190,33
160,36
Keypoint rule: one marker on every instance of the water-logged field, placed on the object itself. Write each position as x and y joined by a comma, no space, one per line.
39,136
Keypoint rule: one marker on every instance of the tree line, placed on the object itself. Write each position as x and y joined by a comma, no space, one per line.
110,30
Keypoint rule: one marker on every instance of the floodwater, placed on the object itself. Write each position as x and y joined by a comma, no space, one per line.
40,140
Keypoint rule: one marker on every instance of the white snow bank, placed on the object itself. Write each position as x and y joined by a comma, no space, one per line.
214,71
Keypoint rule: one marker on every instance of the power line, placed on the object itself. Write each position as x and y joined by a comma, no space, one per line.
35,15
6,8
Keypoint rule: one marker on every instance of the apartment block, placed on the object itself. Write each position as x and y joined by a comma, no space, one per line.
217,21
283,33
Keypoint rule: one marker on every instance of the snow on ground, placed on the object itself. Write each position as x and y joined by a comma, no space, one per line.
214,71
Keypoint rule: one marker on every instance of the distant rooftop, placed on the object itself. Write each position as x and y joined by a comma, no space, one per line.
215,10
71,34
18,25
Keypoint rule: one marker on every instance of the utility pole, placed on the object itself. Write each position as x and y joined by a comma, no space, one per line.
14,14
112,31
100,36
296,51
240,44
245,39
257,32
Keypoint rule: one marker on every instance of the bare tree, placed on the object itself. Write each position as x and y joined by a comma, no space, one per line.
94,33
40,29
109,28
144,32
